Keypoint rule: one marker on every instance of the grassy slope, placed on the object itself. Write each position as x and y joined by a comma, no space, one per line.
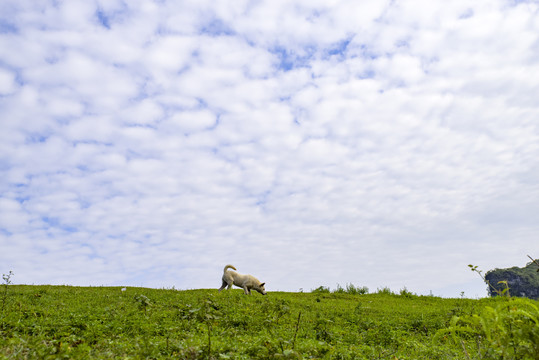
106,322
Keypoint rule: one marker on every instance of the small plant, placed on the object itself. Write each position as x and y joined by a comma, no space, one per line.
503,292
350,289
7,282
321,290
406,293
356,290
208,314
296,332
385,291
143,302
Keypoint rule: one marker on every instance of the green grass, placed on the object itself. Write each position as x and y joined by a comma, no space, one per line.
57,322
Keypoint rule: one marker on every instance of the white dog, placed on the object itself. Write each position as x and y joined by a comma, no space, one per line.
247,282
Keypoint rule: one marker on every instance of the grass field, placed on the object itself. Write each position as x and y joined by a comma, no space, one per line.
41,322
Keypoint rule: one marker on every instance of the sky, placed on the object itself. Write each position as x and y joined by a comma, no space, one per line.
309,143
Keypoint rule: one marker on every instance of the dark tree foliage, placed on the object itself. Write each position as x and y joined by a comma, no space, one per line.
522,282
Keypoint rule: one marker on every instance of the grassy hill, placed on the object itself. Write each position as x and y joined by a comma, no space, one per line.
40,322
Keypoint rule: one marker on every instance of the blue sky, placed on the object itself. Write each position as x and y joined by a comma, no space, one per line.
379,143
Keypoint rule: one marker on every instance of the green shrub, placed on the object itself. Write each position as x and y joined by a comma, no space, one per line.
406,293
321,290
509,330
351,289
356,290
385,291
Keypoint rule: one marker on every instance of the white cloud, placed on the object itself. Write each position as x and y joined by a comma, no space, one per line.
169,55
190,122
7,82
145,143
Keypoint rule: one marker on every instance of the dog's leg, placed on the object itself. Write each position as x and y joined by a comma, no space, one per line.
247,290
222,286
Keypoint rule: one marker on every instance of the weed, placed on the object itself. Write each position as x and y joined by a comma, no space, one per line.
7,282
321,290
323,329
406,293
143,302
356,290
296,332
350,289
385,291
210,314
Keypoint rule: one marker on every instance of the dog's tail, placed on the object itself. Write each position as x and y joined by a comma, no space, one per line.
229,267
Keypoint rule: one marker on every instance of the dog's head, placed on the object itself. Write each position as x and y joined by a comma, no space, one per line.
260,288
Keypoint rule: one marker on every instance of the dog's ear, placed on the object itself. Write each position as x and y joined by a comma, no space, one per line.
262,284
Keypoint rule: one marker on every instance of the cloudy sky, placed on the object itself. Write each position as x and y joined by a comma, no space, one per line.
378,143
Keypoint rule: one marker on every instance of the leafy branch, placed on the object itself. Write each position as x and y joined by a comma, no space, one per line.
534,261
505,291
